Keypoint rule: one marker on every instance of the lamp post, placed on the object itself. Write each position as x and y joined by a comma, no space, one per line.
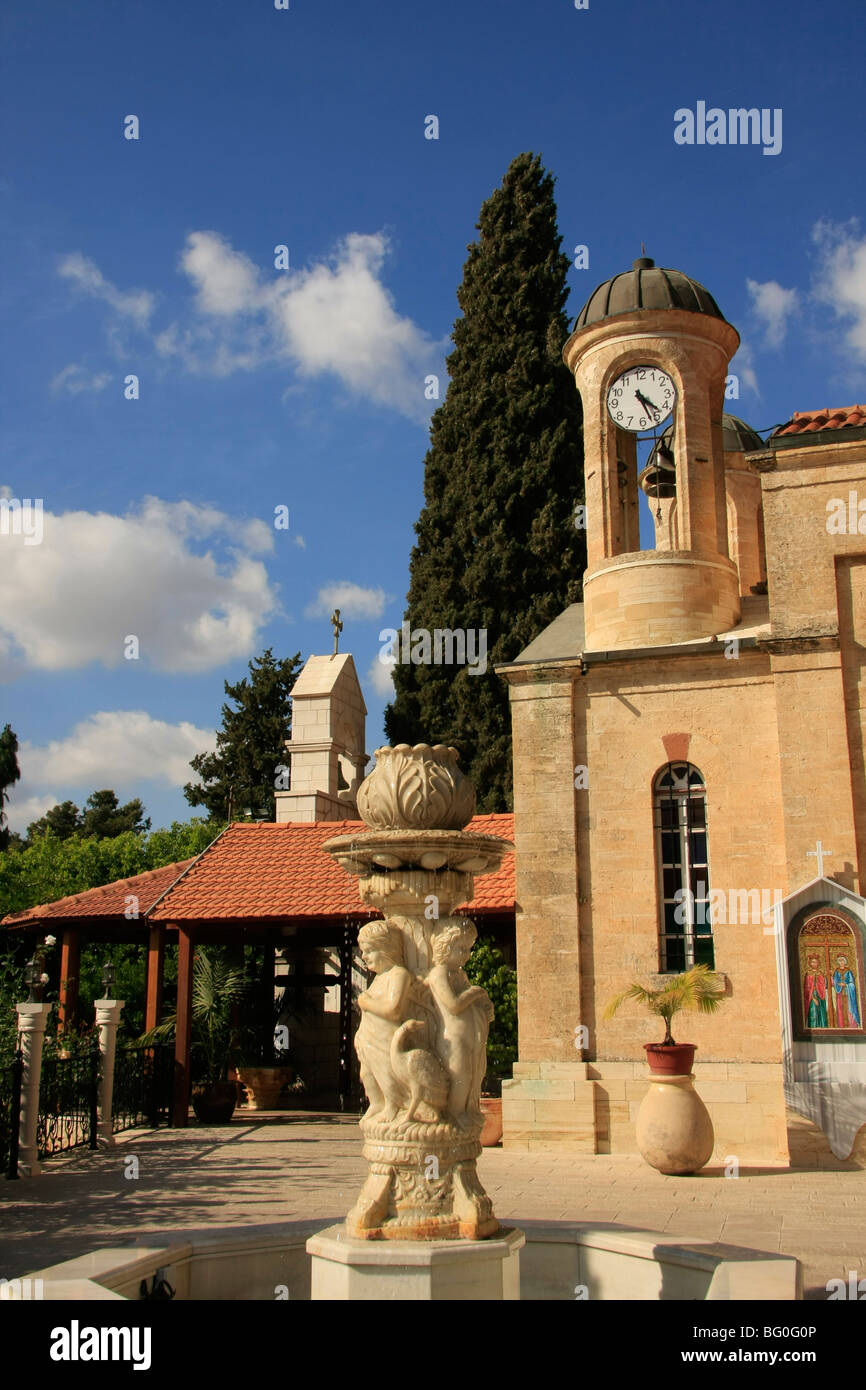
109,979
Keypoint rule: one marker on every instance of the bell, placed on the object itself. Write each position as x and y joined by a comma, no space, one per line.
659,478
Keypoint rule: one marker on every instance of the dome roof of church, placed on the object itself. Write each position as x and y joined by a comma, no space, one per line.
737,436
647,286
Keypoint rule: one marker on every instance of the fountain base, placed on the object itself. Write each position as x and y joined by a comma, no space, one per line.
415,1270
422,1184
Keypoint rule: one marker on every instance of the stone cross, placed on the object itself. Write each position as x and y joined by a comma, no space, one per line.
818,853
338,628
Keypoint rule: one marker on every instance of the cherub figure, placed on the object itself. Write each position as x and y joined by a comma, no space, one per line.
383,1008
466,1014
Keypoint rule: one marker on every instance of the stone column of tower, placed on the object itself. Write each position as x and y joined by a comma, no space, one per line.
655,318
327,744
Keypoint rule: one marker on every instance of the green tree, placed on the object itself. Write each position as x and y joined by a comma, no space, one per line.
486,967
240,776
63,821
10,772
497,546
104,817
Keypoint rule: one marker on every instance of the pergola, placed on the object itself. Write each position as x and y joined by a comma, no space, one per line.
255,882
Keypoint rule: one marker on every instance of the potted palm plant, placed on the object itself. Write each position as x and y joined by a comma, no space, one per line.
216,987
674,1131
698,988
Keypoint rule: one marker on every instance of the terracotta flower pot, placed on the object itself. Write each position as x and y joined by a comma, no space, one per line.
491,1108
214,1103
263,1085
670,1059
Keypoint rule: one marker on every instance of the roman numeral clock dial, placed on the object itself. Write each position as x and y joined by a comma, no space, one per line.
641,398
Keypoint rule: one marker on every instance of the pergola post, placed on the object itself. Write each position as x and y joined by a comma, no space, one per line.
183,1037
70,974
155,976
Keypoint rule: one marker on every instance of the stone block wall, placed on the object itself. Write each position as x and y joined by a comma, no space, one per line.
591,1107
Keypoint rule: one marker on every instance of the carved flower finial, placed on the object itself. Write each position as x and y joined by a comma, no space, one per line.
416,788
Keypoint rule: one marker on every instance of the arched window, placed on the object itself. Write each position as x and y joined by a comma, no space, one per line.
680,819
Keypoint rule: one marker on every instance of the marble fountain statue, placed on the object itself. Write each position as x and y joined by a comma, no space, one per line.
422,1039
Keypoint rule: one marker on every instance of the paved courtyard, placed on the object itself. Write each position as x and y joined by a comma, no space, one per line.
303,1166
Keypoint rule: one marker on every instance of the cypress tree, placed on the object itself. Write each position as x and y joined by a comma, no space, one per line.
497,546
10,773
241,774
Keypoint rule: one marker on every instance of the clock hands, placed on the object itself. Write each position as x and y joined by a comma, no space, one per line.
647,405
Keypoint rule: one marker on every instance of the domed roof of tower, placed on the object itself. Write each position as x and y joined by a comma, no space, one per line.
738,437
647,286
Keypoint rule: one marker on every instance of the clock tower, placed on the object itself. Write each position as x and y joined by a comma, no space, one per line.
650,346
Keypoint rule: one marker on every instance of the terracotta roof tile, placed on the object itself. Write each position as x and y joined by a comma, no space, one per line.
813,421
108,901
263,871
280,871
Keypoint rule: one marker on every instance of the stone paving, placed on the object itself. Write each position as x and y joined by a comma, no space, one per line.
302,1166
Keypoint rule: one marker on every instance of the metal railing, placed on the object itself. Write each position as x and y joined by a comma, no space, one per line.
68,1102
10,1113
143,1082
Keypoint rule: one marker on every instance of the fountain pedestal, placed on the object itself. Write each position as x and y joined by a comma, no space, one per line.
422,1039
417,1271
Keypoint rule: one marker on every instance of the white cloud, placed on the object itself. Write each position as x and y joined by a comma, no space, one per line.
380,676
74,379
340,318
773,306
86,275
335,317
352,600
119,745
112,748
841,277
97,578
226,281
743,366
21,813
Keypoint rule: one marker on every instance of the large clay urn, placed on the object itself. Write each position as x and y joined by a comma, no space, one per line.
674,1130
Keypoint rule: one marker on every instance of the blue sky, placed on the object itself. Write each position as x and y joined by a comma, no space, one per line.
303,388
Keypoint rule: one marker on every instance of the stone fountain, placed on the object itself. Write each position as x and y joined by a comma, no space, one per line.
422,1039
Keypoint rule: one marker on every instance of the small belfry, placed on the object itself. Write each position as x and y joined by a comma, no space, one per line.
326,750
648,346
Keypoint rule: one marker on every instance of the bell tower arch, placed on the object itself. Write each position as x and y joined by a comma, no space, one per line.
663,324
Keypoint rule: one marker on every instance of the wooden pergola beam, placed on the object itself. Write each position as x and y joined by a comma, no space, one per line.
183,1037
70,975
153,989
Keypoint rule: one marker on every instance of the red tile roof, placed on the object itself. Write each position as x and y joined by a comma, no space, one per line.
812,421
263,871
108,901
272,871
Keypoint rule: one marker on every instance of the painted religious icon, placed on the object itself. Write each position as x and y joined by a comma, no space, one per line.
815,995
845,1001
831,976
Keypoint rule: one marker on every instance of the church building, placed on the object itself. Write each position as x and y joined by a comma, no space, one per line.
689,752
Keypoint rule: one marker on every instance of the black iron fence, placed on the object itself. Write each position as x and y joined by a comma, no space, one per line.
143,1082
67,1102
68,1098
10,1111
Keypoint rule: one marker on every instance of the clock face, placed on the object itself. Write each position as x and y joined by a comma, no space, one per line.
641,398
